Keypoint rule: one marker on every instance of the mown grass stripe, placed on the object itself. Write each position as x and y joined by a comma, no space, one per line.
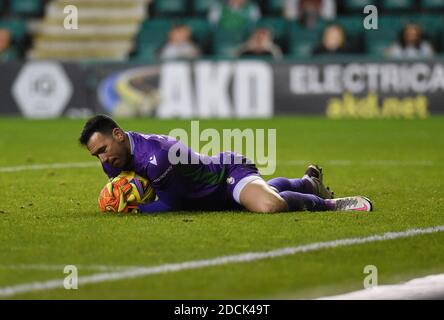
223,260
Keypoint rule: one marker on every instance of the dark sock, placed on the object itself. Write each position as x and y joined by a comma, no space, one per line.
296,185
299,201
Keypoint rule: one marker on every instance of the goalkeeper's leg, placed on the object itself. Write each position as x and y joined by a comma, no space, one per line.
310,183
258,196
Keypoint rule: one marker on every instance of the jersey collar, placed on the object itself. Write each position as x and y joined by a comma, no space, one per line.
131,142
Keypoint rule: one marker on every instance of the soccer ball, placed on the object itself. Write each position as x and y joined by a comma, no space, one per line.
119,195
141,191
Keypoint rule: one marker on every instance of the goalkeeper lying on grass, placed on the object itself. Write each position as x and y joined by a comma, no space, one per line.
227,181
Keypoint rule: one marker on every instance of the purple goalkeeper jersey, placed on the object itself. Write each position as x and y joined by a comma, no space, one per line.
182,178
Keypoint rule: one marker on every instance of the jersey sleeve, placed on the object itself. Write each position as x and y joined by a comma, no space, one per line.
162,172
156,206
161,161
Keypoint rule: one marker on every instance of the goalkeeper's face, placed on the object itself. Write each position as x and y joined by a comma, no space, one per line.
113,149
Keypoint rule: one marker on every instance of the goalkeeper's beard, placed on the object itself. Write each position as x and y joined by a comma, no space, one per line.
126,158
126,164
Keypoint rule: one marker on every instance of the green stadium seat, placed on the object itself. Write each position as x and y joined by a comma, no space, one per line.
377,41
351,24
432,4
302,43
224,42
378,48
354,29
430,23
152,33
170,7
156,26
276,25
356,5
296,27
201,7
225,50
26,7
148,40
200,28
200,31
275,7
390,22
398,5
432,26
148,50
9,54
16,27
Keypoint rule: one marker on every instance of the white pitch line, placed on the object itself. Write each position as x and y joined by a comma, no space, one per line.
347,163
60,267
43,166
69,165
223,260
430,287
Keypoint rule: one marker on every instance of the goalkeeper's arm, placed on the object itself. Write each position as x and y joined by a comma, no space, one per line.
167,201
156,206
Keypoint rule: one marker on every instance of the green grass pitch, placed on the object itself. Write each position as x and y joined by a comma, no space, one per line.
49,217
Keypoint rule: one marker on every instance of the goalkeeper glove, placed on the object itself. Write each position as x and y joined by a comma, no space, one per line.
114,197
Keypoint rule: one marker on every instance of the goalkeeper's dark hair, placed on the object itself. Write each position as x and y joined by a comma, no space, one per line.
100,123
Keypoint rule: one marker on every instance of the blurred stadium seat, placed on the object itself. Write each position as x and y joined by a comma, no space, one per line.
106,30
26,7
377,42
432,4
356,6
17,27
398,5
274,7
352,26
201,7
302,43
135,29
276,25
224,43
170,7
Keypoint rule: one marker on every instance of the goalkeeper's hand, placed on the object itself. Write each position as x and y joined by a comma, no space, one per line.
114,197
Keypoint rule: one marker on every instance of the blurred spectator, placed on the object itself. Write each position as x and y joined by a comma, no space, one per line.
334,40
7,53
309,12
260,44
411,44
234,14
179,44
